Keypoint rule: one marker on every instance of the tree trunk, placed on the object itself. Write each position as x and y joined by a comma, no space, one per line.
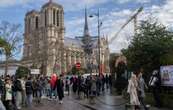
6,65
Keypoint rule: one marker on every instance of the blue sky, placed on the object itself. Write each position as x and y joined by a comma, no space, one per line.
114,14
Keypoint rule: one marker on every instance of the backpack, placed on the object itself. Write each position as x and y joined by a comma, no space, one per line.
29,88
17,86
153,81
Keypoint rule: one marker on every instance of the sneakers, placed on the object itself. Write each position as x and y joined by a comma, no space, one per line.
60,102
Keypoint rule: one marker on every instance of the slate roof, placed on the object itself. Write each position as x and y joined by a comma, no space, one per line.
75,42
69,42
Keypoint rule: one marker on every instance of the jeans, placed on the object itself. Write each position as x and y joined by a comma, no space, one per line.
29,100
24,98
19,99
48,92
38,96
141,99
54,92
2,107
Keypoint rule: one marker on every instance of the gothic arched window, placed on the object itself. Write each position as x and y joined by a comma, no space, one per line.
29,24
54,14
36,22
45,17
57,14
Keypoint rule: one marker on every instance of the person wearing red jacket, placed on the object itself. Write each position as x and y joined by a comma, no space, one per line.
53,81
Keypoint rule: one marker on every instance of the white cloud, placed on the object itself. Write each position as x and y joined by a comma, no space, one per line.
163,13
127,1
7,3
69,5
112,22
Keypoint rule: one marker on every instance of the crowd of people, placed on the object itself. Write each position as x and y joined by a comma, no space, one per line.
17,92
136,89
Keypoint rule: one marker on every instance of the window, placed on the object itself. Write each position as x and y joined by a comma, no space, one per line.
45,17
36,22
54,14
57,14
29,24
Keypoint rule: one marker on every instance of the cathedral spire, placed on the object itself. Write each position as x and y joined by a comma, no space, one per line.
50,1
86,30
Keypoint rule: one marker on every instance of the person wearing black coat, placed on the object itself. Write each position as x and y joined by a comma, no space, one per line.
155,84
60,89
29,91
18,93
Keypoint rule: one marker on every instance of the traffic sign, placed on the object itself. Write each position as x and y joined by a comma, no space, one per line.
78,65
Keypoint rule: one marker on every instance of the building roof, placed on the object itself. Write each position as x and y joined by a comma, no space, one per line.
50,3
72,42
32,12
75,42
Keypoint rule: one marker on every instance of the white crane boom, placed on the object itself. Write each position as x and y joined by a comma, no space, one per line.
127,22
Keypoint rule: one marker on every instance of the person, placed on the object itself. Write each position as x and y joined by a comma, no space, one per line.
67,85
98,84
2,107
53,81
155,83
1,86
74,86
141,89
79,86
8,94
87,83
23,91
2,89
18,92
93,86
38,90
110,82
103,82
48,88
60,91
107,81
132,90
29,91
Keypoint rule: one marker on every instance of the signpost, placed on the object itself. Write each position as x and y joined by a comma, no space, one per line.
166,73
35,71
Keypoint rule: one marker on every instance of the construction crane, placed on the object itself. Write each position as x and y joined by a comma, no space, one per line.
133,17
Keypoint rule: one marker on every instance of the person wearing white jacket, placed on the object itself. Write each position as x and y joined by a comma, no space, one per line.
132,90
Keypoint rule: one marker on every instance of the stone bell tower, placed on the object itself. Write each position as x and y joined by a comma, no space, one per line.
44,37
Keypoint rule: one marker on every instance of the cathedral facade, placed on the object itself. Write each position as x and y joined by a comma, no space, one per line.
46,48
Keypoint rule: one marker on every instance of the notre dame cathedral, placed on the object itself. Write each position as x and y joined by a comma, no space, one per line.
46,48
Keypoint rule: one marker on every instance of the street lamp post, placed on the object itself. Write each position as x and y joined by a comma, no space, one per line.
98,26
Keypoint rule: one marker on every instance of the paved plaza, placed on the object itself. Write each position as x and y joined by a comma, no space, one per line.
104,102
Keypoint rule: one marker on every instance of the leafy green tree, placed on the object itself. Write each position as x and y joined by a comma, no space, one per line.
150,48
121,81
3,45
11,35
76,71
22,71
112,61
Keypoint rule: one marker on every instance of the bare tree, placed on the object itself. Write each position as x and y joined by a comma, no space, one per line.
12,34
